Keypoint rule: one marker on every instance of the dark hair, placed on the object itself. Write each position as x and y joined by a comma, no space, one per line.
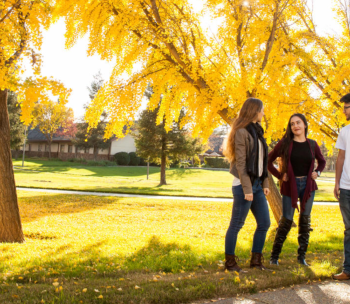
345,98
248,113
287,138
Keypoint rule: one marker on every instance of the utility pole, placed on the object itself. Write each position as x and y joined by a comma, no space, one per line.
24,145
147,168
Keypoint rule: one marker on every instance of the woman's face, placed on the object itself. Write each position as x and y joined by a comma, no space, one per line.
260,115
297,125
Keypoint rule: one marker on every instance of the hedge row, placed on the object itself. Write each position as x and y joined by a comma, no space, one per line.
129,159
216,162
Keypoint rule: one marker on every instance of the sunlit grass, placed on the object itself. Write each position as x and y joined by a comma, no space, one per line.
183,182
115,244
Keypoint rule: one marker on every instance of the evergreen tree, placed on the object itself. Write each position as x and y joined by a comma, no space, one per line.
16,126
93,138
154,143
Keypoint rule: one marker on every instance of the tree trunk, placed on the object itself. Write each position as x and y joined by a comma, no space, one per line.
163,164
274,198
95,153
49,149
10,220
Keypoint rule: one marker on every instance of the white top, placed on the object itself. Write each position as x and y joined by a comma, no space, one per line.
343,143
237,181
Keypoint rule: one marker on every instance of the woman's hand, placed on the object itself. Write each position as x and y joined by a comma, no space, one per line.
314,175
285,177
266,191
248,197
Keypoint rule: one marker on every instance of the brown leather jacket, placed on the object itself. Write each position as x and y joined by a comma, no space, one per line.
243,145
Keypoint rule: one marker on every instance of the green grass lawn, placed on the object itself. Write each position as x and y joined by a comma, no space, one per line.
183,182
86,249
65,175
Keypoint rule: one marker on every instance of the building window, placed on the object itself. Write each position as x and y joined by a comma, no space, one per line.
46,148
30,148
40,147
62,148
70,148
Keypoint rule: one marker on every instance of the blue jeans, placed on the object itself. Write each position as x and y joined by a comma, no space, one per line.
344,203
240,211
288,210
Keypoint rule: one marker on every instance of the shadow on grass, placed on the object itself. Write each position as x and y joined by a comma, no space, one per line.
57,261
34,207
169,257
117,171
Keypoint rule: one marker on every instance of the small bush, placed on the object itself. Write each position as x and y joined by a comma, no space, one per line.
94,163
122,158
134,159
143,162
216,162
196,161
184,164
109,163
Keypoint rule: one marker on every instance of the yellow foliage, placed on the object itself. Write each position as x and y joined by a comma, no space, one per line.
21,26
262,48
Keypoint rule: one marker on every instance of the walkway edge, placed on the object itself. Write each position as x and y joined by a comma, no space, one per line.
183,198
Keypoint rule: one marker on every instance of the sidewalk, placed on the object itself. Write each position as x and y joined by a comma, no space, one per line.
181,198
326,292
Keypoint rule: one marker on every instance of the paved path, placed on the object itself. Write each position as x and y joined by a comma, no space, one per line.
327,292
184,198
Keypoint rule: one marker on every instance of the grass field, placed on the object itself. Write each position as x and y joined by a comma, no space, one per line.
85,249
183,182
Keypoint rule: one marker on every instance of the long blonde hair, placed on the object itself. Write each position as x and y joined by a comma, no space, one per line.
247,114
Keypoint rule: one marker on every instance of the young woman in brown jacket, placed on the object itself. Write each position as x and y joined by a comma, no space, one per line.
246,149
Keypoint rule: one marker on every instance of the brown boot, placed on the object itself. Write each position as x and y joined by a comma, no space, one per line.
341,276
231,263
256,261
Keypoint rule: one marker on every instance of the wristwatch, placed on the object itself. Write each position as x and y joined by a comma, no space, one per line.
318,173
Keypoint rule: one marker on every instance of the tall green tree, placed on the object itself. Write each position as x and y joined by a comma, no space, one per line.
17,127
93,138
155,143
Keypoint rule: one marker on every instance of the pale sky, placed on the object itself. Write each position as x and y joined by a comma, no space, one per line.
75,69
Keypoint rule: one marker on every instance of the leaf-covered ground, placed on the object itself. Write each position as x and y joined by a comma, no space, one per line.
183,182
82,249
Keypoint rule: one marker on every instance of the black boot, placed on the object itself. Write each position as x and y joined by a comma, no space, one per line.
303,237
283,229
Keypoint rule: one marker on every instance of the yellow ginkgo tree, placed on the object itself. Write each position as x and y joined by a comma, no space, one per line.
21,25
164,43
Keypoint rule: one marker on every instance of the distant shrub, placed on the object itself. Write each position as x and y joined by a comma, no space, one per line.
122,158
184,164
216,162
109,163
196,161
143,162
95,163
134,159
